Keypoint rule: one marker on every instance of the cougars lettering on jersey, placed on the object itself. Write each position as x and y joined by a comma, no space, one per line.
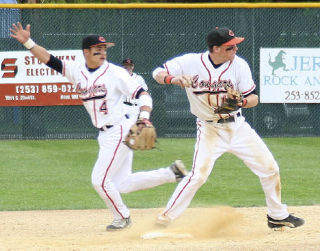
209,84
102,91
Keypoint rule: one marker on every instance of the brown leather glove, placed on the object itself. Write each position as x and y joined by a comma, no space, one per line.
234,98
142,136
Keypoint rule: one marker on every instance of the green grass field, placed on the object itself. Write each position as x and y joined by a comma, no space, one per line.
56,174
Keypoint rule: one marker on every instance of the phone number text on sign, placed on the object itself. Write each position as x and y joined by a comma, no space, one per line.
38,94
44,88
305,96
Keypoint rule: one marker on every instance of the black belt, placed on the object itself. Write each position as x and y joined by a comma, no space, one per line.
105,128
227,120
128,103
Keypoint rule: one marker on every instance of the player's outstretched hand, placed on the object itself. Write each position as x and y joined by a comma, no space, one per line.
17,32
184,81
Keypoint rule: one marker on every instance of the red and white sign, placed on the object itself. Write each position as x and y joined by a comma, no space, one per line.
24,81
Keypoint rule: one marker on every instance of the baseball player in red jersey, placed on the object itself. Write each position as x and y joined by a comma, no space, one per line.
206,78
102,86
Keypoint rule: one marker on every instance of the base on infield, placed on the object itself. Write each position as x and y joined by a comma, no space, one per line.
155,235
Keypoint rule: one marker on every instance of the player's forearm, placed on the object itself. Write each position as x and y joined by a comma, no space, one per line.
162,77
251,101
159,76
145,104
40,53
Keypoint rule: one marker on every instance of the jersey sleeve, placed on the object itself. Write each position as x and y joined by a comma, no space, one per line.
141,81
127,85
246,84
70,71
175,66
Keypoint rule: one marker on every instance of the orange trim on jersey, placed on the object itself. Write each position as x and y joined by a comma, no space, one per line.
204,64
95,113
250,90
105,176
85,78
94,101
209,101
84,75
135,92
101,74
225,70
165,66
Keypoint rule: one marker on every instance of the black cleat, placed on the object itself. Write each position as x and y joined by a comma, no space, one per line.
179,170
119,224
291,221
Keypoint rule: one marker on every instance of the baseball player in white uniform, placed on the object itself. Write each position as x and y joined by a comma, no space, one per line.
101,86
206,77
132,105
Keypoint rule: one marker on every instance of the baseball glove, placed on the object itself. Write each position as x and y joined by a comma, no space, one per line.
231,103
142,136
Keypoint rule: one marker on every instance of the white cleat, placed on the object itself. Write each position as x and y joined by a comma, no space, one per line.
119,224
163,221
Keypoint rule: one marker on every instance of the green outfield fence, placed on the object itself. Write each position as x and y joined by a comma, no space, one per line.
150,34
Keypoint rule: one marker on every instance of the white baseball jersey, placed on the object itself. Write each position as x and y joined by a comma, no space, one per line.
102,91
132,105
209,84
215,137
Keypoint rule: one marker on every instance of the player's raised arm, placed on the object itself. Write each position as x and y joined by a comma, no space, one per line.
162,77
23,36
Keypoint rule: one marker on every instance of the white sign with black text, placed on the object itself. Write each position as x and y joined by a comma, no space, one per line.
290,75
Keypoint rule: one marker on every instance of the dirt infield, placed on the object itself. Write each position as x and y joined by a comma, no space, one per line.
218,228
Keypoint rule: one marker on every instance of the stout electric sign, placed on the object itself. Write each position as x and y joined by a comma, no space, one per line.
24,81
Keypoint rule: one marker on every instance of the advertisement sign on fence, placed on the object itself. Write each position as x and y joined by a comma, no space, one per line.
289,75
24,81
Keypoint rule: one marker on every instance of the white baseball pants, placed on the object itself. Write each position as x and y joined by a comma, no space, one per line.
112,173
241,140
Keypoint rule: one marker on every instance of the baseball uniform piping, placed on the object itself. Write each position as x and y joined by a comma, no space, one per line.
95,113
250,90
196,154
204,64
225,70
94,101
105,176
84,76
101,74
165,66
135,92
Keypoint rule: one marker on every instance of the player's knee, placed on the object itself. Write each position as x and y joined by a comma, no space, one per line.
198,179
97,183
272,168
100,185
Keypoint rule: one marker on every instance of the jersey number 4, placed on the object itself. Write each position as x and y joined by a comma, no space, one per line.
104,108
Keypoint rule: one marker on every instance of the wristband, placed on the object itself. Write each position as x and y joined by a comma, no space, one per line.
144,115
29,44
244,102
145,100
167,79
